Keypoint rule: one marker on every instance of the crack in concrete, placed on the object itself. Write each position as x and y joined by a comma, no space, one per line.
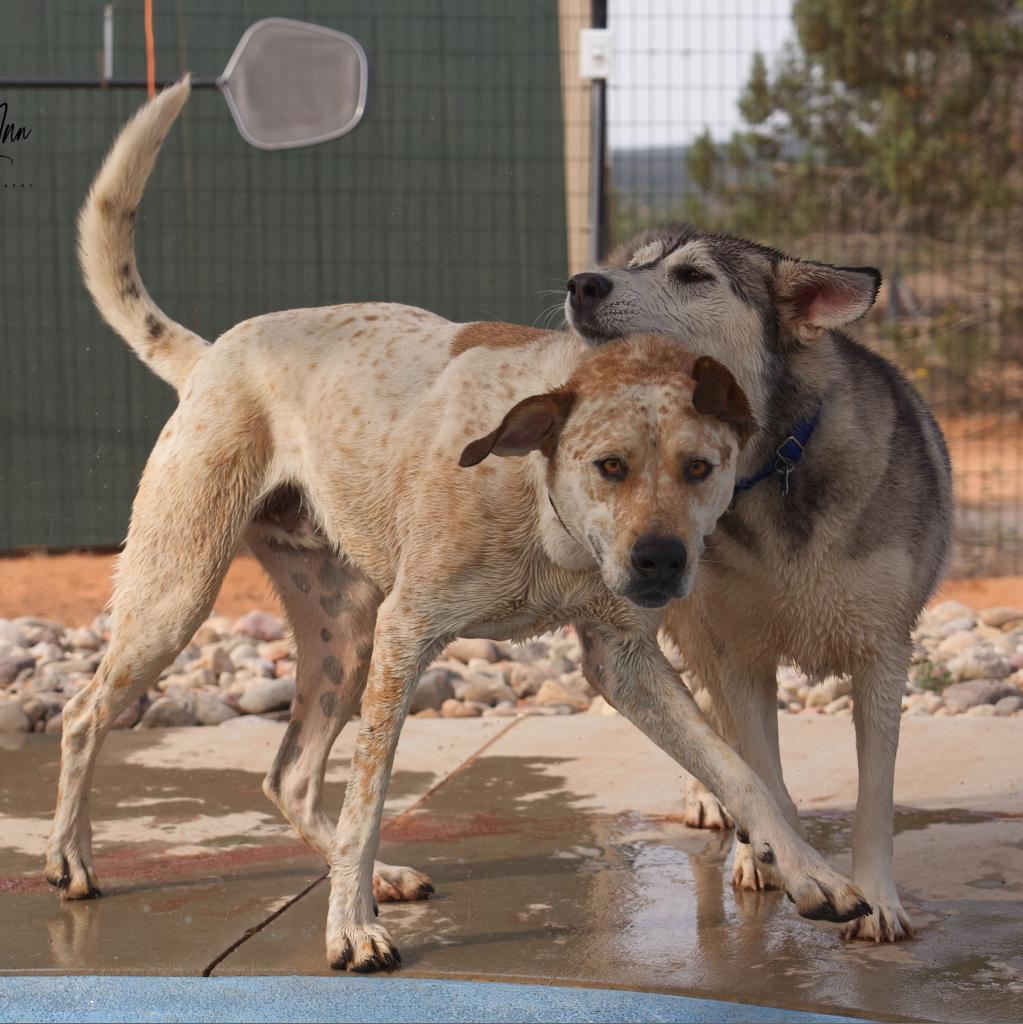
414,806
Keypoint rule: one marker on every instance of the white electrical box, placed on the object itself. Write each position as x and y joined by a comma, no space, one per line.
595,52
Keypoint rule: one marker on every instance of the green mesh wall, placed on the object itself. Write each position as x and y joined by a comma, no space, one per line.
448,195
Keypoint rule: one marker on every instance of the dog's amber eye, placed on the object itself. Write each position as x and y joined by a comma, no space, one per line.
698,469
612,469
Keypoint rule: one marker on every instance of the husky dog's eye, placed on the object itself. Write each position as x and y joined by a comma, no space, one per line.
612,468
686,274
697,469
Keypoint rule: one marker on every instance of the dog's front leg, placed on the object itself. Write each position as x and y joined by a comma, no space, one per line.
354,938
877,715
634,676
749,692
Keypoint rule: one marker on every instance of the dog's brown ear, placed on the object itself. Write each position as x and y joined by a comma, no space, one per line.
532,425
814,297
717,393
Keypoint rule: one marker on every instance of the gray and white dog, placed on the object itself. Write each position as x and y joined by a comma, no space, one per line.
840,527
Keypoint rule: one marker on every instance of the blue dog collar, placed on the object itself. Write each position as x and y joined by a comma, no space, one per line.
786,456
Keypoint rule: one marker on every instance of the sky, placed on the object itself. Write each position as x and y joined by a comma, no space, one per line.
680,65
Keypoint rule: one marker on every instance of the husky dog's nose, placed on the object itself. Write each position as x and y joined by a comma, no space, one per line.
658,560
587,290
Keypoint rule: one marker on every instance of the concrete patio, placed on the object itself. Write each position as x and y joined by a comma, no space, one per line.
558,856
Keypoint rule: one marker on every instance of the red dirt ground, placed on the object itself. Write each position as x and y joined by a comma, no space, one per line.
73,588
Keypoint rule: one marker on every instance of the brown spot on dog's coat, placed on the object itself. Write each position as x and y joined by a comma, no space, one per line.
154,326
331,575
332,669
488,334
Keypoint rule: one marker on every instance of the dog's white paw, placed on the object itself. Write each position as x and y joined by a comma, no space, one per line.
362,948
69,870
889,922
818,892
746,874
701,809
393,884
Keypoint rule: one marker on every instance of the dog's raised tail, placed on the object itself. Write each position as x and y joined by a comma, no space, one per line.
106,243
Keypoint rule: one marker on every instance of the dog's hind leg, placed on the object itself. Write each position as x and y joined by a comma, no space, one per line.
332,608
877,714
191,506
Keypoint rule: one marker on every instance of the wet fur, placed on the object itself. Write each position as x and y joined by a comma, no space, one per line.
832,576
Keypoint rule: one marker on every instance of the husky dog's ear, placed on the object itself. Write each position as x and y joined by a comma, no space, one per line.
532,425
814,297
717,393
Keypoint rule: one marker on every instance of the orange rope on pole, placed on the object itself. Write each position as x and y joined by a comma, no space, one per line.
150,51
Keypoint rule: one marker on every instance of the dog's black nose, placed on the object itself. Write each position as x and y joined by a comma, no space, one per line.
658,560
587,290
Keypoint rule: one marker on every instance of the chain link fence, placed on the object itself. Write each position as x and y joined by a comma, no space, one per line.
858,132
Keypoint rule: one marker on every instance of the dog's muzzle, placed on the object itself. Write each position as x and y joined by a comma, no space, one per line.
658,565
587,290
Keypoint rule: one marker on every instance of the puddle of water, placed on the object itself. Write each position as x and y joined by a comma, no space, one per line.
831,831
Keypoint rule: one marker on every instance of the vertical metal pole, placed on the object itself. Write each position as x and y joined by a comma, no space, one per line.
598,153
108,42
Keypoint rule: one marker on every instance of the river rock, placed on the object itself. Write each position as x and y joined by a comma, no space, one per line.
13,665
843,703
259,626
981,711
167,713
34,708
965,695
530,651
1001,617
211,710
526,679
980,661
955,643
465,650
484,689
436,686
458,709
263,695
948,610
829,690
85,639
568,691
243,653
921,703
956,625
1009,705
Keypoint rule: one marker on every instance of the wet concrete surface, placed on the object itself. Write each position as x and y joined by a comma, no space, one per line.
189,852
557,854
